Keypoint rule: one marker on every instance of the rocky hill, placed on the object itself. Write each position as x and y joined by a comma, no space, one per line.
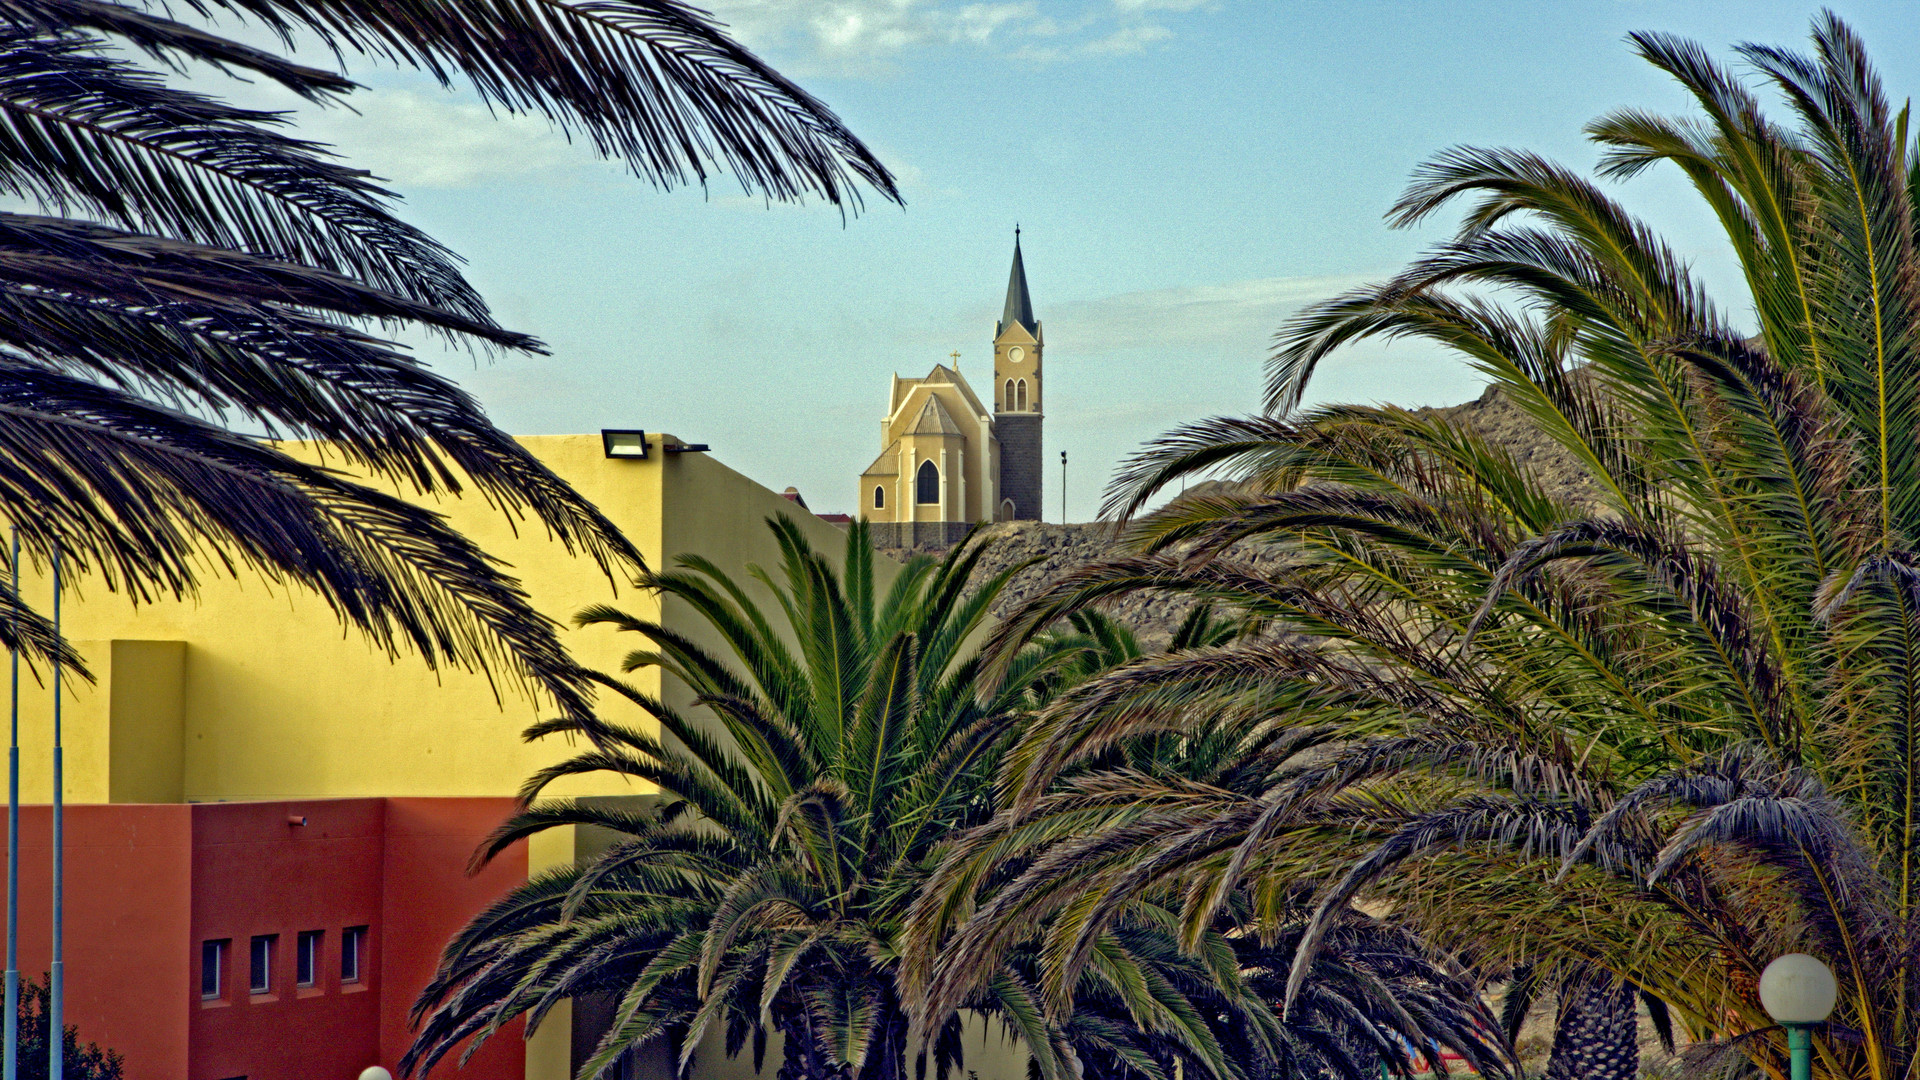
1062,548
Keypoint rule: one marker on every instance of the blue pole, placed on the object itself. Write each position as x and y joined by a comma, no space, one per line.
10,1069
56,980
1800,1051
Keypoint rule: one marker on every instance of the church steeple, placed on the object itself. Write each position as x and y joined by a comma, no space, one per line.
1018,341
1019,305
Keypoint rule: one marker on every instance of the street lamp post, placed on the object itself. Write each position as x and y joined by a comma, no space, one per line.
1063,487
1798,991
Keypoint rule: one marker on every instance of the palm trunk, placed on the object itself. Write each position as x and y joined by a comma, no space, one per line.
1597,1033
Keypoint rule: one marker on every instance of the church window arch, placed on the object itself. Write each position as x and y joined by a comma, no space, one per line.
926,484
879,497
1006,400
1021,388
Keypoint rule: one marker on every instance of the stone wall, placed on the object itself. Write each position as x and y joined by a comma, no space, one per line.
1020,462
923,535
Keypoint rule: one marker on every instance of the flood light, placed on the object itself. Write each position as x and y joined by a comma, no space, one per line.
624,444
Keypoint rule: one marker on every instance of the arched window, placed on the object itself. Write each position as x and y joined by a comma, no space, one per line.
926,484
879,497
1022,390
1006,400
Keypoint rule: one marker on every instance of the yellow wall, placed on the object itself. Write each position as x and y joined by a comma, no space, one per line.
251,691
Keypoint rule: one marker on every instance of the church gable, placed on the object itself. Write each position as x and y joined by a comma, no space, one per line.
1016,334
966,390
902,390
960,412
935,419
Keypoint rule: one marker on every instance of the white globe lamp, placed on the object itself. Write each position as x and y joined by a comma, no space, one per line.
375,1072
1798,991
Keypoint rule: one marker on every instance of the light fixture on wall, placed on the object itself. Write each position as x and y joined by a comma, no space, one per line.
624,444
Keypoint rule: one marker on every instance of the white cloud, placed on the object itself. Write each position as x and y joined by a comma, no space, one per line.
868,37
432,139
1136,6
1236,314
1125,41
1128,40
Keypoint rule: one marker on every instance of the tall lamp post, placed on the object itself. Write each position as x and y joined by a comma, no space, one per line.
1798,991
1063,487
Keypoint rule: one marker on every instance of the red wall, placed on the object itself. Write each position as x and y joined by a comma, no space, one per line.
253,873
128,884
429,896
147,884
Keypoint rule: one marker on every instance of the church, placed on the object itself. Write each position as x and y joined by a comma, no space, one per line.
947,462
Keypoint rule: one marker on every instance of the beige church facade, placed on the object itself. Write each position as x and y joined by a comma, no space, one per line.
948,459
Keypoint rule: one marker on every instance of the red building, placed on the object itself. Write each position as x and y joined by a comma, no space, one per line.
262,940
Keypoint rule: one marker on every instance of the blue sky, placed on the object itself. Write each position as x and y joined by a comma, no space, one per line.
1187,172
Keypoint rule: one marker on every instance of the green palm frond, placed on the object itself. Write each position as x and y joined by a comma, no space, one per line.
1657,723
829,753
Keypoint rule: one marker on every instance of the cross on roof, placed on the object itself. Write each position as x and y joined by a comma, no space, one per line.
955,354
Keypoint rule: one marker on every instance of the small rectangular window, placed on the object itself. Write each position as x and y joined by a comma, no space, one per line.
213,963
260,965
353,948
306,958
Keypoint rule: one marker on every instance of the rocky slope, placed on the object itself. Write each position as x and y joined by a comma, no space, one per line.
1063,548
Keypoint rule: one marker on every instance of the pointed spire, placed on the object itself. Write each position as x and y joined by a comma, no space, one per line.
1019,306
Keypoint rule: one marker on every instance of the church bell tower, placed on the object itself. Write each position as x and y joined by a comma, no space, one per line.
1017,397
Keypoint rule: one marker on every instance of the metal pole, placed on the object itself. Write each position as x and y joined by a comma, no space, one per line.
1063,487
10,1069
1800,1051
56,979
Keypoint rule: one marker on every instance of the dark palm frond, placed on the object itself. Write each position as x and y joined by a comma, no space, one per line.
648,81
69,257
143,495
231,267
299,377
167,40
82,132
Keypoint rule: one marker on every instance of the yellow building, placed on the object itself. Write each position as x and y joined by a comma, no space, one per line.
248,691
331,759
946,463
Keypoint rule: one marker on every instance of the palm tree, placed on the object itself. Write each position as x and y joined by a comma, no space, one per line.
764,896
1641,736
1057,887
210,267
769,894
